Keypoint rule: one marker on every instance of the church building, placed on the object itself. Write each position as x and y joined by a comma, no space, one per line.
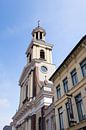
36,91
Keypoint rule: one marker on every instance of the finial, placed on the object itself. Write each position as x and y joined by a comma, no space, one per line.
38,23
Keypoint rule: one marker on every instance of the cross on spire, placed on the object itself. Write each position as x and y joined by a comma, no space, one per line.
38,23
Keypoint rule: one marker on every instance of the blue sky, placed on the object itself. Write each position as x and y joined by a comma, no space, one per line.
65,24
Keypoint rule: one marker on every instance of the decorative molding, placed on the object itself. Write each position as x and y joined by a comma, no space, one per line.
69,59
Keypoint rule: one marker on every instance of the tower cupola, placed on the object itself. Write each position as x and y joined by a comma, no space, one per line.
39,33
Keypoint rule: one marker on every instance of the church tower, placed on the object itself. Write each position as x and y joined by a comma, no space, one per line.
36,90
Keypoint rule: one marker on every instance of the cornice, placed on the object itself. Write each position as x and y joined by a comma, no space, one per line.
76,50
42,43
38,43
27,69
78,126
38,29
22,111
30,104
30,46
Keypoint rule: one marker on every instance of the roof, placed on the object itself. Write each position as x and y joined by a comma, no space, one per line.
39,29
73,50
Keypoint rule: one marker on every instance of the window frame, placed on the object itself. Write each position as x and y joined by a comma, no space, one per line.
83,67
42,54
58,91
61,120
65,84
69,110
79,105
74,77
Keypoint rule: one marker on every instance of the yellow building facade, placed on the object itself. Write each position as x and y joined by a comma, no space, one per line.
70,90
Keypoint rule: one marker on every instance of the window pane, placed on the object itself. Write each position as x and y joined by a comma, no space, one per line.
83,67
61,118
79,105
74,77
69,112
42,54
65,84
58,91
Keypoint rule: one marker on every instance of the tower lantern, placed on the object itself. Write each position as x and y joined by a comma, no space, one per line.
39,33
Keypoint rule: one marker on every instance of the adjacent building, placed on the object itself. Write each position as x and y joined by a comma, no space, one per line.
7,127
36,91
70,90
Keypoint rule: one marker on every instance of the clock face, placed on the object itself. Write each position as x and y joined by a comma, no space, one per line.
44,69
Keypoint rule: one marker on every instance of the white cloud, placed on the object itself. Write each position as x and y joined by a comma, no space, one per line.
4,103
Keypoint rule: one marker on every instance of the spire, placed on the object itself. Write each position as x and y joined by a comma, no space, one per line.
38,23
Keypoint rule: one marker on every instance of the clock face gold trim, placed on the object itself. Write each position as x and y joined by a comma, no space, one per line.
44,69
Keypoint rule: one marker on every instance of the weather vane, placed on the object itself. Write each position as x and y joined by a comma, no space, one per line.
38,23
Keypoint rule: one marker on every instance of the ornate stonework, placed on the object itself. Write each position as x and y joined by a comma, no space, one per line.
36,91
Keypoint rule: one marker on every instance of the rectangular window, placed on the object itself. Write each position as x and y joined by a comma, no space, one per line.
79,105
58,90
60,111
74,77
83,67
69,112
65,84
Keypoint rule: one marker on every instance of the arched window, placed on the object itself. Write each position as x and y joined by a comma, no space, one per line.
42,54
